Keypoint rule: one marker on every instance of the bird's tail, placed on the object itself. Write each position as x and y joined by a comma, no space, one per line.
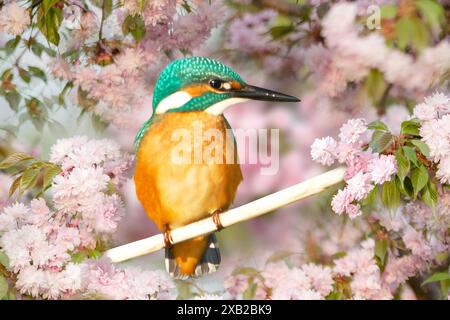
193,258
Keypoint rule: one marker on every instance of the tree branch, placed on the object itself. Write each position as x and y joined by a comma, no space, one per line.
100,36
246,212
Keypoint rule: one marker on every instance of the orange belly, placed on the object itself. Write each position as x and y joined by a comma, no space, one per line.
177,187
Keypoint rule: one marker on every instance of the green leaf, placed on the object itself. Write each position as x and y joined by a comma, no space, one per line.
11,45
410,127
78,257
406,188
403,165
37,112
375,85
4,260
410,153
305,12
49,20
380,141
13,97
84,100
249,293
35,71
429,195
108,6
11,295
14,186
432,12
94,254
14,159
422,146
29,178
72,54
134,25
49,174
370,199
440,276
3,287
98,123
48,4
403,31
62,94
378,125
7,75
185,6
419,178
390,194
279,255
388,11
421,34
335,295
278,32
37,49
24,74
381,250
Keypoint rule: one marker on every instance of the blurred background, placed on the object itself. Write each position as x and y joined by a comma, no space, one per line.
362,59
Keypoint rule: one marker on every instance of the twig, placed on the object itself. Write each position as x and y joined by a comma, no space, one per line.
246,212
381,108
101,22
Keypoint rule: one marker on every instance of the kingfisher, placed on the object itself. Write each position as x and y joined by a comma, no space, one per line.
191,93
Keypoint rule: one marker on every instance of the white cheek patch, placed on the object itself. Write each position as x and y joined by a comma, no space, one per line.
227,86
219,107
175,100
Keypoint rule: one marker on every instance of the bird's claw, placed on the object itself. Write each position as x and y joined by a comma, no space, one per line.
168,242
216,219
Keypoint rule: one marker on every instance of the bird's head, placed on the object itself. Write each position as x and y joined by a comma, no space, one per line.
203,84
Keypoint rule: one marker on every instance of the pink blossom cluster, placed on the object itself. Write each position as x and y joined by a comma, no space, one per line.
42,241
117,88
314,281
152,12
104,279
250,34
90,168
364,168
182,31
357,270
310,282
14,19
424,232
86,25
360,265
348,56
434,114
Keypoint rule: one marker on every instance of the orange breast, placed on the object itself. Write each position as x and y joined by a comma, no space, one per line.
181,175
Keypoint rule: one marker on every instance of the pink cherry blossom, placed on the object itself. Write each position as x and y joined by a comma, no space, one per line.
322,150
382,168
14,19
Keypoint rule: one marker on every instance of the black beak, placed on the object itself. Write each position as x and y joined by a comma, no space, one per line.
256,93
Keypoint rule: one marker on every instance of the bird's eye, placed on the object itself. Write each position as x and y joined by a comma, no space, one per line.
215,83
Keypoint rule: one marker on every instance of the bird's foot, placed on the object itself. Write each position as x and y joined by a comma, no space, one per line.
216,219
168,242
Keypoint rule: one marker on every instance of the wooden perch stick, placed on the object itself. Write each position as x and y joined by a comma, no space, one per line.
246,212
